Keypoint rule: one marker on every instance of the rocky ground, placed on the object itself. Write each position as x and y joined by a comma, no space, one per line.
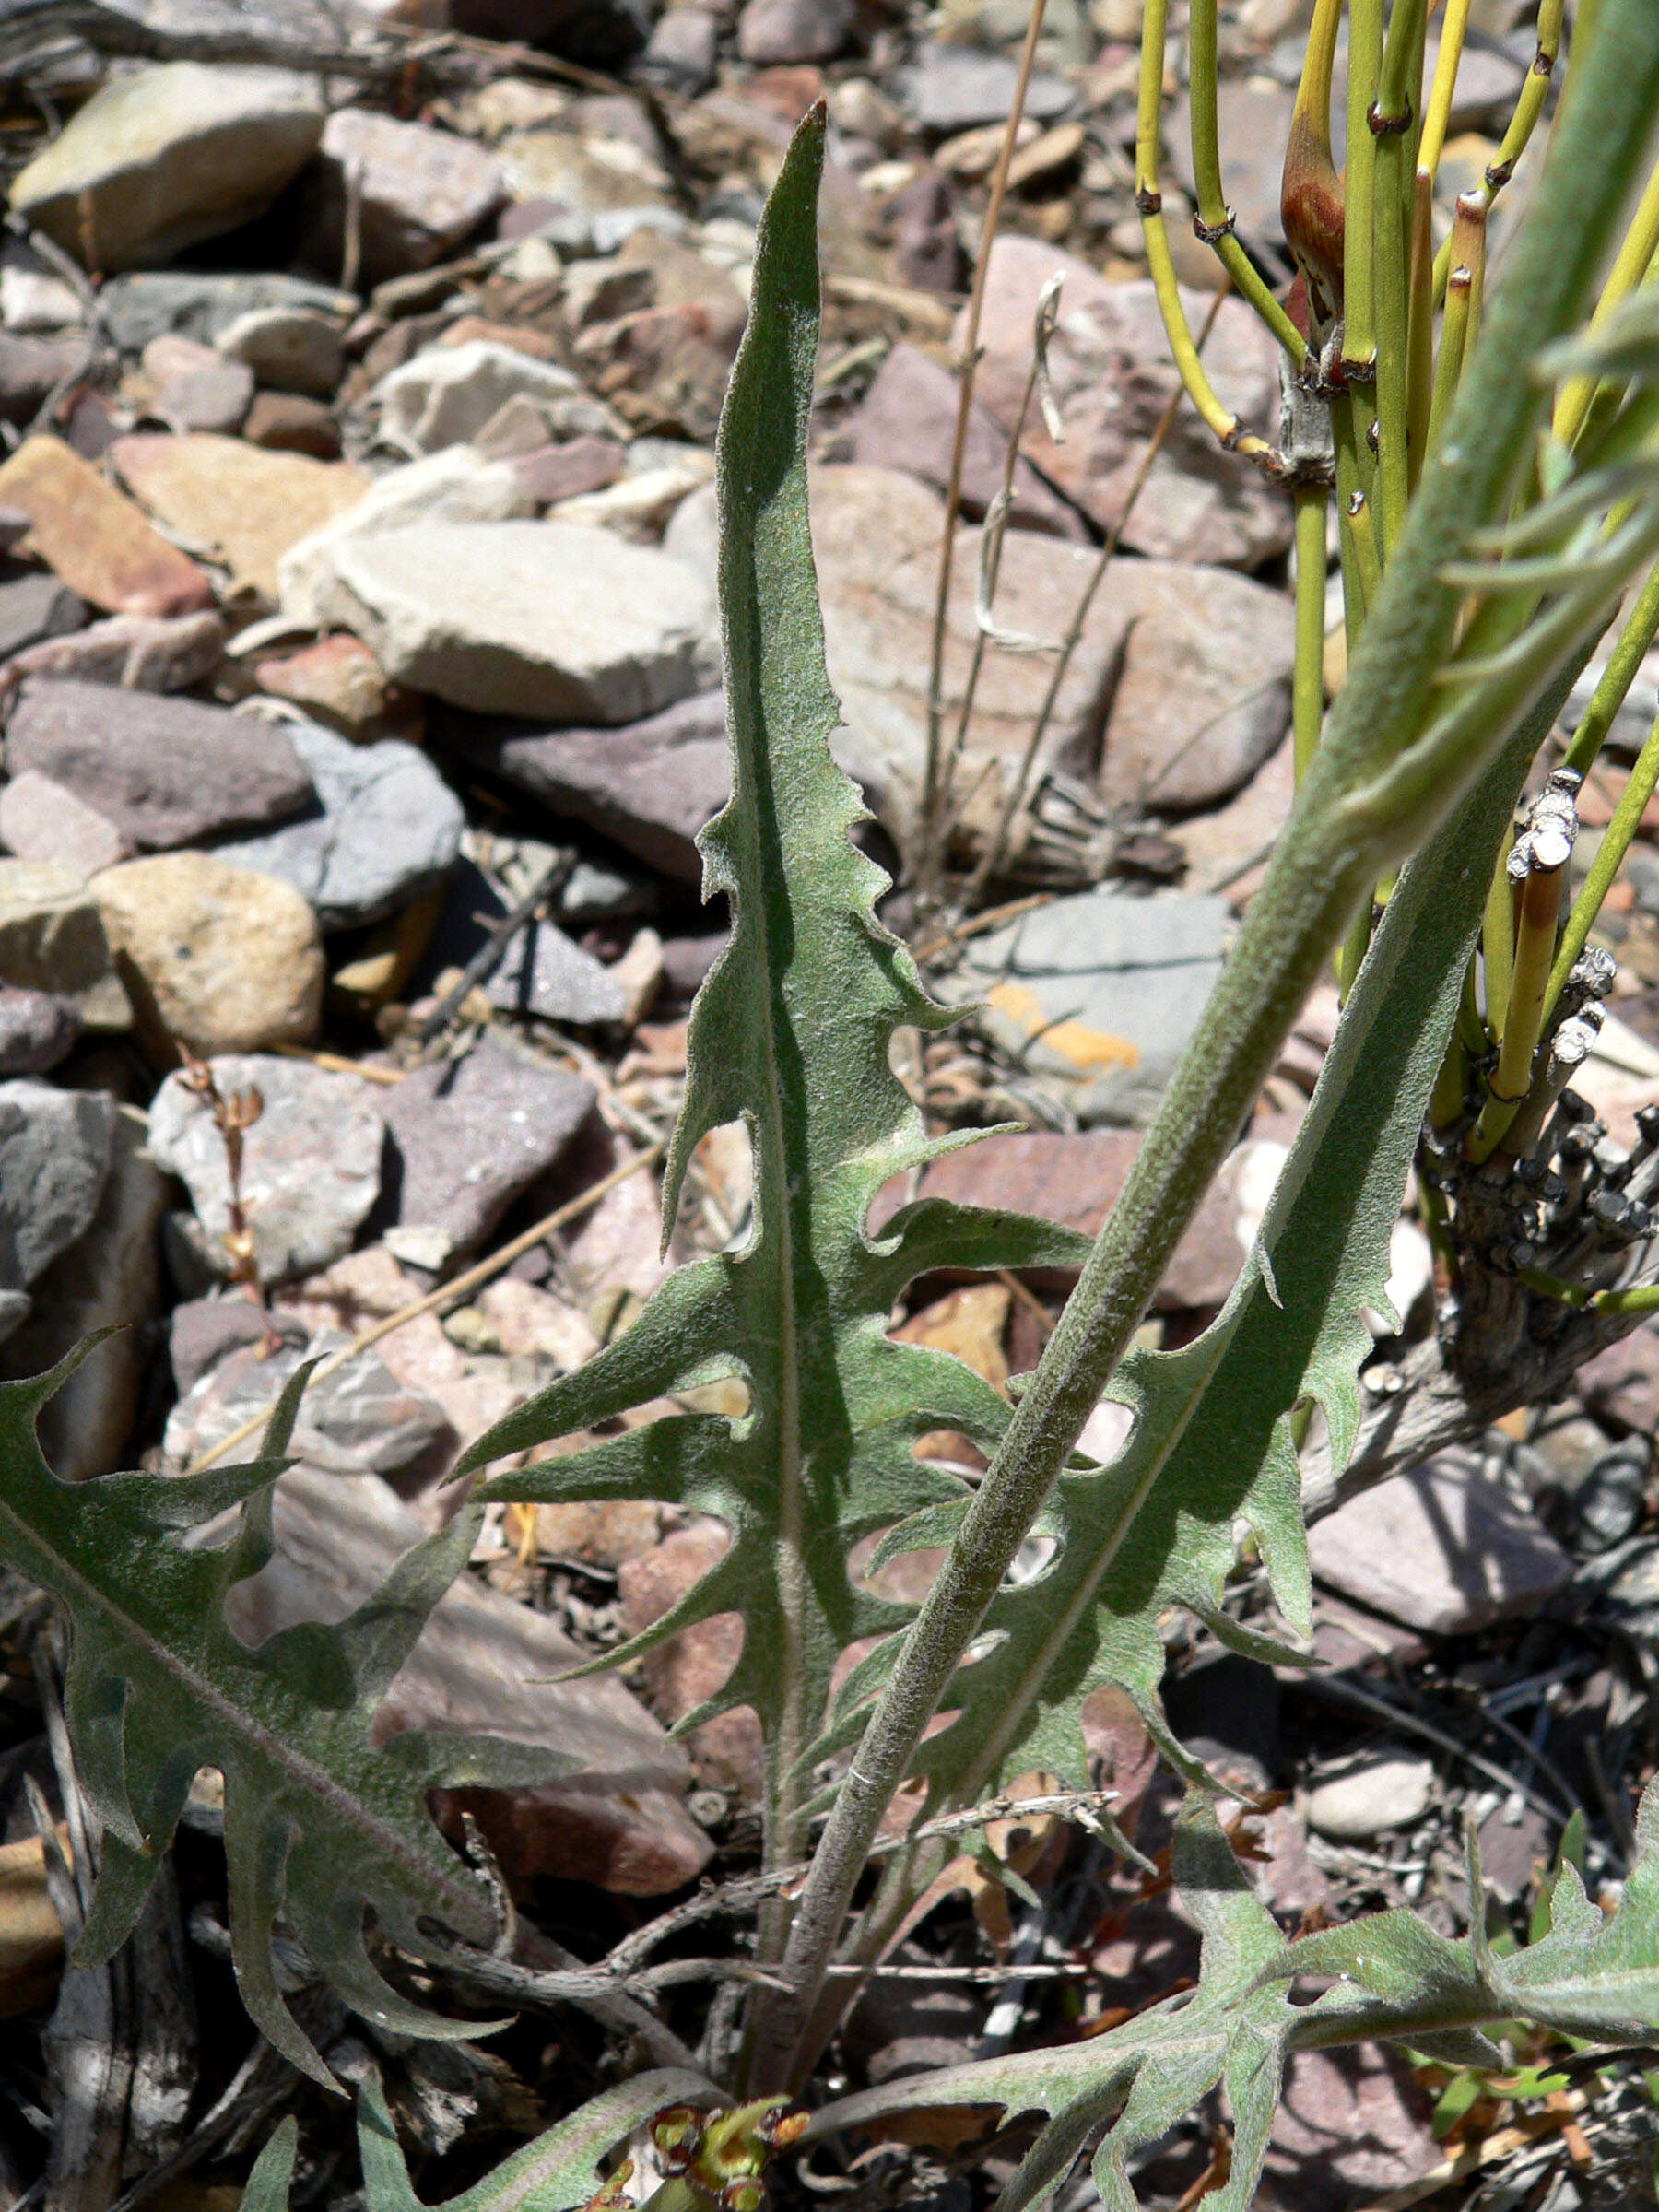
359,663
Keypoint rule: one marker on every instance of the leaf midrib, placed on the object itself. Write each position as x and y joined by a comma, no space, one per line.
383,1839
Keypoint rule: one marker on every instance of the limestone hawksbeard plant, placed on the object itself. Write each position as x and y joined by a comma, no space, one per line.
1492,449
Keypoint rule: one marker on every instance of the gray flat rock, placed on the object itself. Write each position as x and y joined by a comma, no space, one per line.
1101,993
51,938
37,1028
145,304
32,607
522,617
54,1157
310,1162
468,1136
161,159
389,827
108,1278
953,88
361,1420
546,974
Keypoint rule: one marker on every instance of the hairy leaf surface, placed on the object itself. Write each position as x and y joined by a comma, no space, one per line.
321,1823
1396,1981
1213,1442
560,2170
791,1034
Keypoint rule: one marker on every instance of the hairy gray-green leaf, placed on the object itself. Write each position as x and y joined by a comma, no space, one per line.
266,2188
1137,2081
321,1823
1212,1443
791,1035
1588,1976
559,2170
1396,1981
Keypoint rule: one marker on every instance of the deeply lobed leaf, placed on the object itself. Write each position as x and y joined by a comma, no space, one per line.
1395,1980
321,1823
1213,1444
791,1034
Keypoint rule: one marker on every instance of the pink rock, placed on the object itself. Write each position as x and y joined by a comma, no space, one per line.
1623,1381
1113,378
772,31
369,1286
1352,2125
692,1667
39,820
550,473
1075,1180
96,540
339,680
420,192
1445,1548
908,420
138,653
486,1664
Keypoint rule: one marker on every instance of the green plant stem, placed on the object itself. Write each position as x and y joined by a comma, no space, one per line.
1498,943
1529,106
1539,909
1359,305
1389,123
1613,686
1459,322
1307,712
1352,478
1419,343
1184,348
1368,794
1617,840
1213,218
1368,559
1640,1298
1472,1032
1453,25
1630,266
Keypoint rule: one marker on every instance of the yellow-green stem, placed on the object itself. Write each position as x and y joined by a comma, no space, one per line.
1630,266
1352,478
1613,686
1446,1102
1640,1298
1538,911
1392,277
1498,945
1457,325
1389,122
1438,111
1362,521
1359,186
1149,201
1598,881
1529,106
1213,218
1308,685
1419,344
